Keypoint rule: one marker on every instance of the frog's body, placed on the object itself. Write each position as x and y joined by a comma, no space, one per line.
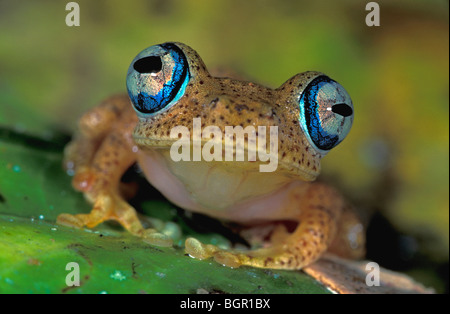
112,137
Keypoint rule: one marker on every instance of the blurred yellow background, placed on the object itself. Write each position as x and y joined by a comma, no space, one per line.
396,158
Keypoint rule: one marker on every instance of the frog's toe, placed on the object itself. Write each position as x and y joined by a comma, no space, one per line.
68,220
153,237
201,251
198,250
229,259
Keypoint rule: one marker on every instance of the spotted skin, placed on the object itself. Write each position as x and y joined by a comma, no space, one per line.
116,134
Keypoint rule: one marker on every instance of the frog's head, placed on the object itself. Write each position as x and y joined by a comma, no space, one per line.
169,86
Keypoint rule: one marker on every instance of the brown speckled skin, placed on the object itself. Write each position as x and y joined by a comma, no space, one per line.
227,102
104,148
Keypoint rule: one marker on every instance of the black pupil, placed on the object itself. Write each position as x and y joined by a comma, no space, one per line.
342,109
151,64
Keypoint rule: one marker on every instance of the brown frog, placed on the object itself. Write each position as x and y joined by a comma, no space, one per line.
188,131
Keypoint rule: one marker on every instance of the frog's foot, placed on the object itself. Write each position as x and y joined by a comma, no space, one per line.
287,251
201,251
112,207
98,156
316,228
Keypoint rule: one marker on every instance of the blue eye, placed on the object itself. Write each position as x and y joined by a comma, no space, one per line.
326,113
157,78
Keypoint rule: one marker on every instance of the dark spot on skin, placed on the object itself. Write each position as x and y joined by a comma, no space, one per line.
290,260
240,107
213,103
273,113
268,260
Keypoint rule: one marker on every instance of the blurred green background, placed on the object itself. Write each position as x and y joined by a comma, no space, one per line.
394,165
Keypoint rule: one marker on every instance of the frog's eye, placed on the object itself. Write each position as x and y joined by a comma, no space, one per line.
326,113
157,78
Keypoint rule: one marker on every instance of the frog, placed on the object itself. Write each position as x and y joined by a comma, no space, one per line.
289,218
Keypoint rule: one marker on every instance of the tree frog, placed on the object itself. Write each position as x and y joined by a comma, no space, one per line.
291,219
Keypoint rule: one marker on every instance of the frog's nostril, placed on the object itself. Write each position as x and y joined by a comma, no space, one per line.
342,109
150,64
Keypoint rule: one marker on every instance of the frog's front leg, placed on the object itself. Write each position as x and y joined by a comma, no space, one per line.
315,207
100,153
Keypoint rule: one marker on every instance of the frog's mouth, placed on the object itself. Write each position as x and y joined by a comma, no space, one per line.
209,186
145,143
204,150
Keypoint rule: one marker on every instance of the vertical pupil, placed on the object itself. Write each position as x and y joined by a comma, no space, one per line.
150,64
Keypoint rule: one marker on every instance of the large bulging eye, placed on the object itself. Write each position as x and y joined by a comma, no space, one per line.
326,113
157,78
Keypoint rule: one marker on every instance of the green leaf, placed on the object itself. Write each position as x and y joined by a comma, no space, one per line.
35,251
